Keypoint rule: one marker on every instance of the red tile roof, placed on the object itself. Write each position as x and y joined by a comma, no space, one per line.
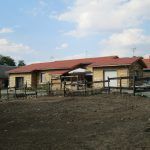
65,64
61,67
117,62
147,62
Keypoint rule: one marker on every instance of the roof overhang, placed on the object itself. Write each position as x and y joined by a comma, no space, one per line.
58,72
125,65
79,71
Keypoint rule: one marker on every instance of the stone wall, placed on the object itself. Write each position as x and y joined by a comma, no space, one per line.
27,79
47,77
98,75
135,69
123,72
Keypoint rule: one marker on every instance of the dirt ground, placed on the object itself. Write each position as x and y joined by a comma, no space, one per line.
102,122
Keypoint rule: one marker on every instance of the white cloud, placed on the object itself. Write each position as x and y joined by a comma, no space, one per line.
13,49
94,16
63,46
6,30
123,43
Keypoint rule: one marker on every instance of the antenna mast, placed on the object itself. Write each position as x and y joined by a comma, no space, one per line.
134,49
86,53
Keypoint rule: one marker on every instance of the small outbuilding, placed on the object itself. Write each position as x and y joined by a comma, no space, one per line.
118,67
4,75
146,71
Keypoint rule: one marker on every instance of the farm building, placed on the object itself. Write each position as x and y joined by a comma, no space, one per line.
119,67
4,75
90,69
41,73
146,71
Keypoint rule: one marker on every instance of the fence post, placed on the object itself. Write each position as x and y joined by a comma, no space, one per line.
134,88
120,85
51,85
25,90
77,85
108,85
64,88
49,88
0,93
85,85
7,94
36,93
92,86
15,92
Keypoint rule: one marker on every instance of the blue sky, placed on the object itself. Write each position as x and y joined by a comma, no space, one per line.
46,30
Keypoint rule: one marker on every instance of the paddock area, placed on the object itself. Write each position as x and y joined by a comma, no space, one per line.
101,122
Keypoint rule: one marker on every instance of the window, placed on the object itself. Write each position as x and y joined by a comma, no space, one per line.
42,78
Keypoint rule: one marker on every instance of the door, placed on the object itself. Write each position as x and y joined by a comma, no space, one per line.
111,74
19,82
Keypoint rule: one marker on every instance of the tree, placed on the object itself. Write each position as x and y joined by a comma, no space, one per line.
6,60
21,63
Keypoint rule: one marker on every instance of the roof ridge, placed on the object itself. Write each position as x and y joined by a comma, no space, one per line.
115,56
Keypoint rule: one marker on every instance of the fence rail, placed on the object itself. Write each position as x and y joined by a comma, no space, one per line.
80,88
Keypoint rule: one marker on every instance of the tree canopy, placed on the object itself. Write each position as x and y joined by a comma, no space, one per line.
7,60
21,63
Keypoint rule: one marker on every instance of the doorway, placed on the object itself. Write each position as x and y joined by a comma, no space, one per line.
111,74
19,82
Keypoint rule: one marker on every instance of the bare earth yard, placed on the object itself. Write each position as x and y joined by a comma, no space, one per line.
103,122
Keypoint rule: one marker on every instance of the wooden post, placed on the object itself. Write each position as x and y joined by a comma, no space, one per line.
49,88
134,88
36,93
15,92
25,91
85,86
120,85
108,85
7,94
0,93
92,84
78,83
64,88
51,85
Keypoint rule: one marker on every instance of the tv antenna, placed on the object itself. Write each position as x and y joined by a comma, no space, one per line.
52,58
134,49
86,53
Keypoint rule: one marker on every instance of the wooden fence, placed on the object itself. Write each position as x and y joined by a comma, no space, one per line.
82,88
139,84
